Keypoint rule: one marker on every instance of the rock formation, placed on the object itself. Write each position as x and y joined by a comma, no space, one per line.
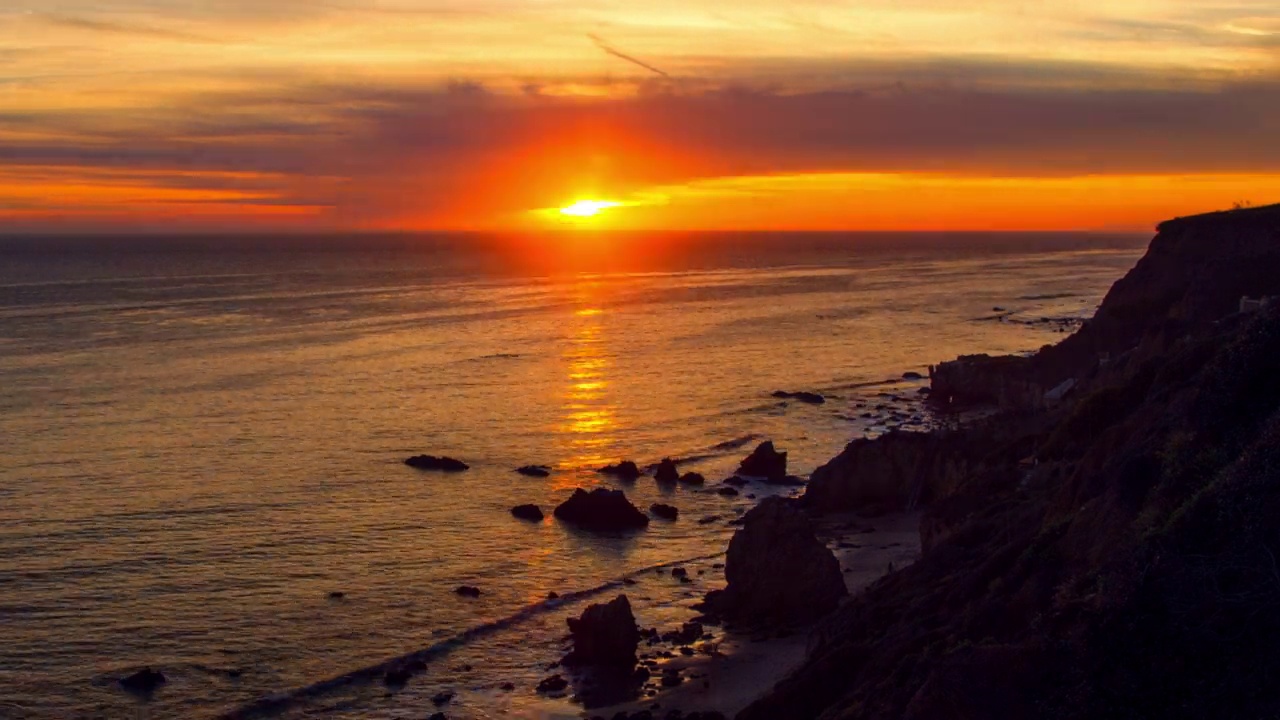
604,635
431,462
666,512
534,471
528,512
625,470
765,462
667,474
601,510
778,572
893,472
144,681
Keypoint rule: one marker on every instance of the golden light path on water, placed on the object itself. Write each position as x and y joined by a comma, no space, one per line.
590,419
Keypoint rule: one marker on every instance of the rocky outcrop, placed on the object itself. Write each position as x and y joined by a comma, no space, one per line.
666,512
540,471
528,512
667,474
778,572
625,470
1115,558
693,478
601,510
1195,273
144,681
896,471
604,635
431,462
765,462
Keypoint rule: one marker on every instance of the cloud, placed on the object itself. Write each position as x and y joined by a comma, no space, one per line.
122,28
374,151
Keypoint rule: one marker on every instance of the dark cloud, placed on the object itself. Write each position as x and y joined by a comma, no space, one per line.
429,150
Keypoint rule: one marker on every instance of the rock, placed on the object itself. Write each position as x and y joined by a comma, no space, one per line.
666,512
528,512
667,473
693,478
438,716
337,595
396,677
727,492
601,510
431,462
804,397
736,481
679,572
604,635
443,698
625,470
777,570
468,591
765,462
892,472
553,684
534,470
690,632
709,519
553,595
507,687
144,681
912,375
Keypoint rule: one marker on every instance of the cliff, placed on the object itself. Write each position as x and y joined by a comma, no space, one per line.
1195,272
1115,556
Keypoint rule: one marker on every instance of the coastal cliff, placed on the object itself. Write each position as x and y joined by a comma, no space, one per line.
1197,270
1111,555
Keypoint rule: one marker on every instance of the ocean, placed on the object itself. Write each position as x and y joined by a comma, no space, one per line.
203,441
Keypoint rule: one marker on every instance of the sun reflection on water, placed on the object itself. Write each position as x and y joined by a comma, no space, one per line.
590,420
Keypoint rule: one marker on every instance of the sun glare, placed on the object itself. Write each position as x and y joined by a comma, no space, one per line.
587,208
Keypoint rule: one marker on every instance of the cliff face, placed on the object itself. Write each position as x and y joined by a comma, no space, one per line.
1194,273
1131,569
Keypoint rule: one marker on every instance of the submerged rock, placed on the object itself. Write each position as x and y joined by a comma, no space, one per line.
144,681
667,473
528,512
666,512
604,635
765,462
777,569
912,375
431,462
468,591
534,470
727,492
625,470
804,397
601,510
553,684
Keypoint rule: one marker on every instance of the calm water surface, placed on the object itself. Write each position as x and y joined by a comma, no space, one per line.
200,446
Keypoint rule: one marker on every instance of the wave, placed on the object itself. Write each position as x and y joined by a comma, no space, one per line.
277,703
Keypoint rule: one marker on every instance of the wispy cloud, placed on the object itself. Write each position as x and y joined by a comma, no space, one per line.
606,47
123,28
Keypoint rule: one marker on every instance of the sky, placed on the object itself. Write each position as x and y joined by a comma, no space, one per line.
669,114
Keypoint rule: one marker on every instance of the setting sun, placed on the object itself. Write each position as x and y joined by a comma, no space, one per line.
587,208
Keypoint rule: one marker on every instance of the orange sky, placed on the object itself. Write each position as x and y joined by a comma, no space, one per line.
688,114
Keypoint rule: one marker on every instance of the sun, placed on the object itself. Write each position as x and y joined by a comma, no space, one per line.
587,208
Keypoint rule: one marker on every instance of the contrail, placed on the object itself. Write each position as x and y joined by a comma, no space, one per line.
600,43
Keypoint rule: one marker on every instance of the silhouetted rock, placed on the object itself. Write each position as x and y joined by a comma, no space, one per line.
736,481
468,591
709,519
727,492
144,681
912,375
601,510
528,512
553,684
396,677
777,570
666,512
693,478
667,473
439,716
604,635
337,595
804,397
765,462
443,698
534,470
625,470
431,462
